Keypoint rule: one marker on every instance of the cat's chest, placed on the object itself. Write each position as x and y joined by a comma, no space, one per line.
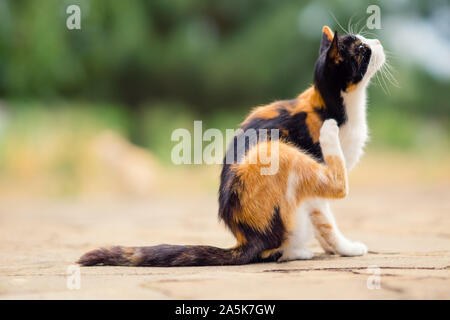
353,138
353,134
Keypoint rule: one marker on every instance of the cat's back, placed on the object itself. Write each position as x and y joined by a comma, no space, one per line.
297,120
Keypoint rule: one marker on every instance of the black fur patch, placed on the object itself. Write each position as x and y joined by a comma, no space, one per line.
114,256
228,194
295,126
165,255
258,241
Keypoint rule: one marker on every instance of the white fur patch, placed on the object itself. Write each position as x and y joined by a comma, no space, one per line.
300,237
322,177
292,184
354,133
329,138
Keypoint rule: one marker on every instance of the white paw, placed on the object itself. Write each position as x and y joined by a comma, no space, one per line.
329,129
297,254
352,249
329,137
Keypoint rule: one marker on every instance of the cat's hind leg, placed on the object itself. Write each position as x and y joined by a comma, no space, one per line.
295,247
328,233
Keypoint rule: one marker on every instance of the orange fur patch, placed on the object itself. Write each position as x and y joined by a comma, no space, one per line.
334,54
261,192
326,235
327,31
314,123
263,112
351,87
241,240
338,187
267,253
132,254
307,101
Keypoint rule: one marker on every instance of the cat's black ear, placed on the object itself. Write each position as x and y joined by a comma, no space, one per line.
333,54
327,37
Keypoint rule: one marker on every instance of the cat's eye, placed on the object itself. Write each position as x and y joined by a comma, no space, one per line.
361,47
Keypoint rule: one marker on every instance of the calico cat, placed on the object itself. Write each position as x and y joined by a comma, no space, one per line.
322,133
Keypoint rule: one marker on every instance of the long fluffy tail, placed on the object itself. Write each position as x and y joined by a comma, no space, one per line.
169,256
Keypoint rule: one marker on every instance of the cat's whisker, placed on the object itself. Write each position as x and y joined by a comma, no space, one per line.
388,66
349,25
391,56
354,27
385,80
381,79
389,70
378,78
381,85
335,19
391,78
366,34
363,26
391,53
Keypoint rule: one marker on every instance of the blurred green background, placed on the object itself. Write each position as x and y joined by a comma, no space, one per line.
144,68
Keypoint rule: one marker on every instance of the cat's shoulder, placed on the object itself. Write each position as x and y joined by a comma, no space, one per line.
309,101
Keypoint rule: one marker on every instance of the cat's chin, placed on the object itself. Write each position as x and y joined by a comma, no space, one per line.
372,70
377,62
377,59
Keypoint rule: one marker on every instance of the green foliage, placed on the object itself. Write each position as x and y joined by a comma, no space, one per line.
170,62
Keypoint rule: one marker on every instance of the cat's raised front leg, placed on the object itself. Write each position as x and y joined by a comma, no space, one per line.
326,180
325,227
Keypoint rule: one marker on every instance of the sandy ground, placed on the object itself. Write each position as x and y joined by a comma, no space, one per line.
406,226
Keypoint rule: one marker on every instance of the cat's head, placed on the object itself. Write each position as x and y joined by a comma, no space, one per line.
346,62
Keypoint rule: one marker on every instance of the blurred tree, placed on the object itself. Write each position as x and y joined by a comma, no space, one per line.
207,55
